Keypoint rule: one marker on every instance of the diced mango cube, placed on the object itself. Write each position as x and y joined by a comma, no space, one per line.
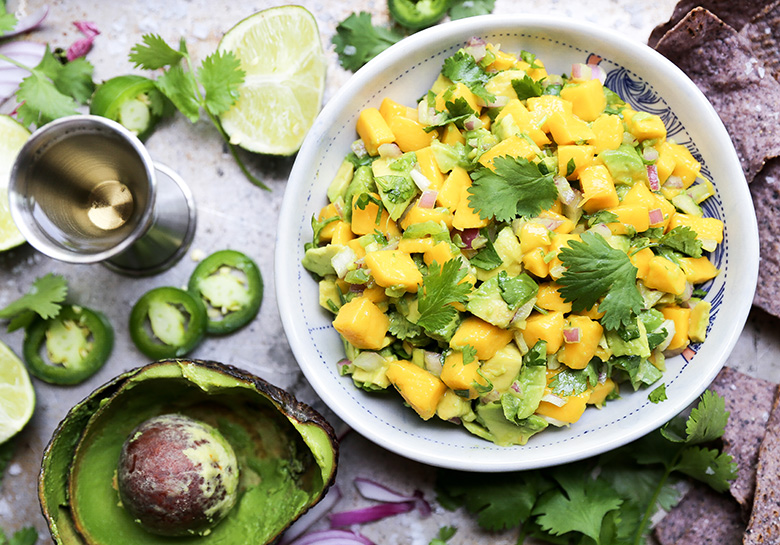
680,317
533,235
641,260
391,268
601,391
362,323
456,183
514,146
577,355
587,99
415,214
373,130
440,253
502,60
524,121
409,134
465,216
342,232
451,135
563,224
549,298
544,106
421,389
607,133
634,215
462,377
580,156
685,165
390,108
547,327
598,189
429,167
665,276
568,129
645,126
486,338
364,220
705,228
534,262
453,93
559,241
415,245
569,412
666,160
698,270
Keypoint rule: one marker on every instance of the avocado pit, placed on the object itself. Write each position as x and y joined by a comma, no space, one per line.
177,476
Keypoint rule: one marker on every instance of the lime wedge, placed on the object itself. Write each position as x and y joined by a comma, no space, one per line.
12,138
17,397
281,52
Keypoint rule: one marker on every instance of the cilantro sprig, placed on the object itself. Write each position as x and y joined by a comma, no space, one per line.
463,68
594,269
606,500
515,187
7,20
441,287
212,87
43,299
358,40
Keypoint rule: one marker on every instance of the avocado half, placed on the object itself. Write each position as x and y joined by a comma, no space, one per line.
287,453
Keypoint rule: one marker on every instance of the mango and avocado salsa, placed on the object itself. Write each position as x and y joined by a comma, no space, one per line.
514,248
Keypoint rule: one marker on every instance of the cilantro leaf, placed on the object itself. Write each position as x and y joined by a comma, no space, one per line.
516,290
154,53
317,226
41,102
594,269
401,328
580,504
7,20
527,87
537,355
487,258
468,8
441,286
43,298
463,68
358,41
707,420
682,239
516,188
445,533
574,381
709,466
221,75
457,112
181,88
640,371
658,395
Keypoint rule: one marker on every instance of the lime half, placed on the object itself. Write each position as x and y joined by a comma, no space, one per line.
12,138
17,397
281,52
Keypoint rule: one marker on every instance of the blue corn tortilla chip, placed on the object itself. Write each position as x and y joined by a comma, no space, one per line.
763,33
765,191
734,14
764,525
723,65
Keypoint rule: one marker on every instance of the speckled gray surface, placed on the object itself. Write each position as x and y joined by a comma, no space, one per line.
233,213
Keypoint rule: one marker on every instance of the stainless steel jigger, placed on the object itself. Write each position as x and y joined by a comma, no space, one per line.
84,189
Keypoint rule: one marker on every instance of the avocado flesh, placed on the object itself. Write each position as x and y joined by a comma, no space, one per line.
287,460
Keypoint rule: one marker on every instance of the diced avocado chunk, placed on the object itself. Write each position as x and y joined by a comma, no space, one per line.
362,182
508,249
493,426
522,398
329,294
621,345
394,182
317,260
453,406
486,302
624,164
685,203
699,320
373,380
338,186
450,156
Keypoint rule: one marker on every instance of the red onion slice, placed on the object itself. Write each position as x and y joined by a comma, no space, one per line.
428,199
26,53
359,148
369,514
389,151
565,191
656,216
476,47
674,182
650,154
468,236
372,490
572,334
312,515
420,179
28,22
553,399
652,176
333,537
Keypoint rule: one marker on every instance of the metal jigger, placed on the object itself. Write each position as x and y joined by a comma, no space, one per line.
84,189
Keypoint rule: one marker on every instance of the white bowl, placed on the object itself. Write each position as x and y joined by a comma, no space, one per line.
405,72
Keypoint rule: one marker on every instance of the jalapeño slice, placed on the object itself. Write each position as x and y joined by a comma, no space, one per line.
167,322
231,287
418,14
78,342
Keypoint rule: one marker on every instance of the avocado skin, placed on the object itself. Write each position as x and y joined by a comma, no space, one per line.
53,484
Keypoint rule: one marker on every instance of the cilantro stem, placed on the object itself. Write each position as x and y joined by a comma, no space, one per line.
15,63
654,500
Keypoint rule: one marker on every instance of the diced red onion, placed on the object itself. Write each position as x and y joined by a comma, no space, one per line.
357,288
312,515
688,353
438,118
468,236
553,79
523,312
370,514
342,260
344,362
572,334
359,148
553,399
668,325
650,154
588,71
550,223
602,376
490,397
476,47
420,179
390,151
333,537
372,490
516,387
601,229
652,177
81,47
656,216
28,22
557,271
673,182
473,142
687,292
433,362
339,206
565,192
392,245
455,420
369,361
428,198
425,113
472,123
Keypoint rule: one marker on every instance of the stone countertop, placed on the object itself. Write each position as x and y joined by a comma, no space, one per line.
234,213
